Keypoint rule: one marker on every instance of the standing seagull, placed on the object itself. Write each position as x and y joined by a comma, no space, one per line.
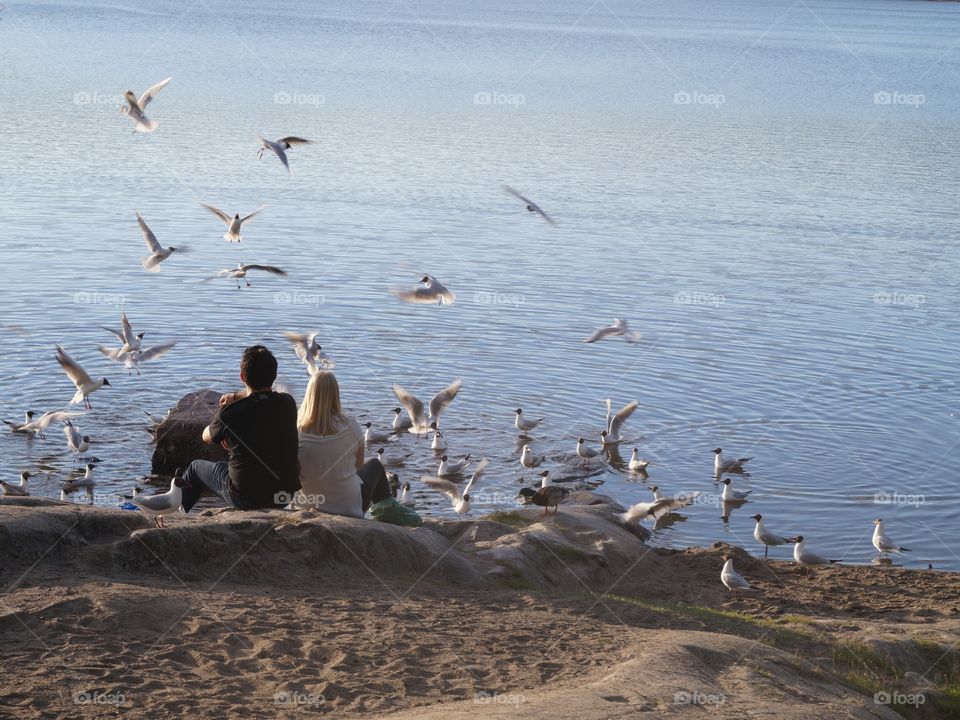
134,107
525,425
767,538
307,348
438,403
722,464
529,460
156,506
280,147
883,543
241,270
22,489
233,223
731,578
733,496
85,386
529,204
586,453
439,442
430,291
76,442
157,254
615,329
808,558
613,434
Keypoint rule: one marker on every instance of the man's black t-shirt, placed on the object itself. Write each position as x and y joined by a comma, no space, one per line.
261,434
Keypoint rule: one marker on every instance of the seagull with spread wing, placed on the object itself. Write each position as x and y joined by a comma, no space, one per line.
157,254
134,107
438,403
85,385
430,291
233,223
529,204
241,270
280,147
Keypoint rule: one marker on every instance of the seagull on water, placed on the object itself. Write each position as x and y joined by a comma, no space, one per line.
20,490
452,467
370,437
280,147
613,433
733,496
883,543
85,386
135,107
439,441
766,538
643,510
156,506
406,497
731,578
393,459
241,270
36,427
525,425
529,205
233,223
438,403
307,348
76,442
430,291
637,463
585,452
615,329
723,464
87,481
24,427
459,499
529,460
158,254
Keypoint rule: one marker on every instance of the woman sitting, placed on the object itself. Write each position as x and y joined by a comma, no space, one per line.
333,476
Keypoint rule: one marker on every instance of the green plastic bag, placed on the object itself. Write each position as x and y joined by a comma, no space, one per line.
390,511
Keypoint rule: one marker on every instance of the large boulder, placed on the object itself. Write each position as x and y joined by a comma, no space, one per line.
178,440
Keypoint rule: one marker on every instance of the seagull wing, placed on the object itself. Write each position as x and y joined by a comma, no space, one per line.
72,368
127,331
255,212
219,213
112,353
644,510
153,245
294,140
477,472
53,416
111,330
439,402
602,333
517,195
444,486
157,503
266,268
151,92
155,351
617,421
412,404
299,342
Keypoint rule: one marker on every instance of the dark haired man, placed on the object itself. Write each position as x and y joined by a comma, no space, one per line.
258,428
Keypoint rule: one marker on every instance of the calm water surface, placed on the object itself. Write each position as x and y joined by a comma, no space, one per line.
724,176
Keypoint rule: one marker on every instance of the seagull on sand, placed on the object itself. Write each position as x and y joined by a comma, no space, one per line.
731,578
613,433
85,386
430,291
156,506
529,204
414,407
241,270
615,329
21,490
883,543
279,148
808,558
585,452
135,358
453,467
637,463
459,499
525,425
723,464
767,538
233,223
134,107
158,254
307,348
733,496
406,497
128,341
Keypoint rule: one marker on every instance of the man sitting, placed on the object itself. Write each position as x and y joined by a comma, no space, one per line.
258,429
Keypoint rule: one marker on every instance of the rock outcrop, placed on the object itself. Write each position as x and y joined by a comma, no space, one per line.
177,436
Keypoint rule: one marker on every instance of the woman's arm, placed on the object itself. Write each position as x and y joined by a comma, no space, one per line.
361,451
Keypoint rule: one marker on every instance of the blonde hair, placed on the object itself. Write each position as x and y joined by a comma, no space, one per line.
320,412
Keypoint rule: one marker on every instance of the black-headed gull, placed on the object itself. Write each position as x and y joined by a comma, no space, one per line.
806,557
439,442
400,422
76,442
309,351
371,437
585,452
135,358
23,427
452,467
128,340
156,506
529,205
430,291
883,543
766,538
643,510
241,270
21,490
135,107
38,425
525,425
637,463
279,147
85,386
87,481
419,422
233,223
406,497
459,499
723,464
392,459
158,254
733,496
613,434
615,329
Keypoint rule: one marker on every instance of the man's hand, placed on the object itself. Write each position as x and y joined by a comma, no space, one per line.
231,397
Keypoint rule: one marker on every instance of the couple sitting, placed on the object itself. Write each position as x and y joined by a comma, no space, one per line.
314,457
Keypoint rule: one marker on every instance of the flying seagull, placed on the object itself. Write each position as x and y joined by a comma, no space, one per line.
438,403
157,253
617,328
85,385
279,147
430,291
134,107
530,205
233,223
241,270
309,351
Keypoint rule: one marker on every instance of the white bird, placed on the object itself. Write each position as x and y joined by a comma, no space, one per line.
87,481
280,147
136,357
808,557
158,253
370,437
529,460
613,434
134,107
156,506
766,538
731,578
406,497
128,341
460,500
233,223
545,480
643,510
430,291
400,422
309,351
392,459
241,270
525,425
85,386
637,463
722,464
673,503
883,543
76,442
24,427
730,495
617,328
36,427
439,441
452,467
585,452
21,490
529,205
438,403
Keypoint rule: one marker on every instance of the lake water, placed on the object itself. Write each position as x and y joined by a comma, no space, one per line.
766,190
